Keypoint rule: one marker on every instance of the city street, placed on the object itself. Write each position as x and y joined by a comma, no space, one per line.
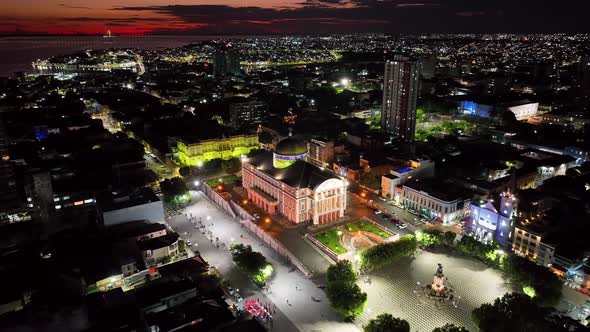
289,289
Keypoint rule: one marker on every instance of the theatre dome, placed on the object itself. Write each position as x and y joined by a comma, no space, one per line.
289,151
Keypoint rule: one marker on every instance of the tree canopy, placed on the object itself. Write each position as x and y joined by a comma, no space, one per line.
387,323
450,328
231,166
344,294
253,263
341,272
385,253
516,312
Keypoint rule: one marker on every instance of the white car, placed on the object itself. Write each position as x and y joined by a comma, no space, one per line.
256,215
378,212
382,199
189,243
402,226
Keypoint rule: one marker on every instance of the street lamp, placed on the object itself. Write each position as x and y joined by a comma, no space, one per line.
197,183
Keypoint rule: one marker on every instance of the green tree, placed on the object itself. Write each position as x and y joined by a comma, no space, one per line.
346,298
181,246
450,328
387,323
231,166
524,273
515,312
376,121
344,294
386,253
429,238
254,152
342,271
370,180
448,238
184,171
172,188
253,263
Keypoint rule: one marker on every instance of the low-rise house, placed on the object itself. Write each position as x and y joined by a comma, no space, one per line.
159,249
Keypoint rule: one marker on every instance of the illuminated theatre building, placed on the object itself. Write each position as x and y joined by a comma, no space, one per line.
283,182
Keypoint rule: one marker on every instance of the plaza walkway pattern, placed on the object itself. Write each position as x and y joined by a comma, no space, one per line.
391,290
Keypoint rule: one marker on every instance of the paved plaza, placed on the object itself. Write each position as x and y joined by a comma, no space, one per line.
392,291
287,284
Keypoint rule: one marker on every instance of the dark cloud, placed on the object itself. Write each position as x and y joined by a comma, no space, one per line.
72,7
111,20
468,13
385,16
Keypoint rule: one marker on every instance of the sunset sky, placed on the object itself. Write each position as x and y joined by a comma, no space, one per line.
290,16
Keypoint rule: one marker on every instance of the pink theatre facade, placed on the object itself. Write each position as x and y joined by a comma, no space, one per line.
323,204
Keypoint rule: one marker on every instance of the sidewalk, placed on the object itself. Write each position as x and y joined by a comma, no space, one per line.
286,284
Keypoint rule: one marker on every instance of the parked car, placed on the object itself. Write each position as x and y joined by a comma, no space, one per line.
188,243
239,298
402,226
394,221
378,211
382,199
256,215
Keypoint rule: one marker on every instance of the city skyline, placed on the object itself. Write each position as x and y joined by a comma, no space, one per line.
133,17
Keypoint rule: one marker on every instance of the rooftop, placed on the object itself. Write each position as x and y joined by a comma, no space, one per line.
111,201
291,147
158,242
135,228
444,190
299,175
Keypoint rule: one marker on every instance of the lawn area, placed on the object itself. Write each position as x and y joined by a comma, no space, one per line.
367,227
225,179
331,239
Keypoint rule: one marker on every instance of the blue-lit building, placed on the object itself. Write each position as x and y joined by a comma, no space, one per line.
472,108
492,220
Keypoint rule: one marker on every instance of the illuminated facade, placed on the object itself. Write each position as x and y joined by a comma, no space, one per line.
493,222
438,201
529,243
191,154
283,182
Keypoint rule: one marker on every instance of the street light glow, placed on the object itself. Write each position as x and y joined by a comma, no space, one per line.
197,183
267,271
199,164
